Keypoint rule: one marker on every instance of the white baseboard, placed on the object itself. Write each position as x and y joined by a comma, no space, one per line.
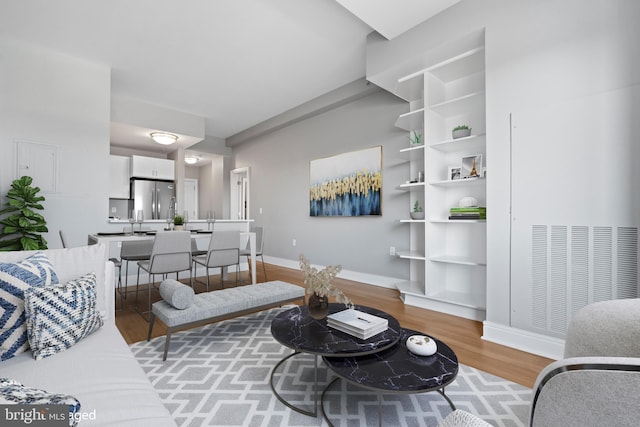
369,279
542,345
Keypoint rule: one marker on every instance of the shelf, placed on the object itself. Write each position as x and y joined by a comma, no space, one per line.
411,87
415,148
458,105
475,142
459,298
413,120
411,255
415,152
411,287
455,259
457,221
469,62
460,182
412,186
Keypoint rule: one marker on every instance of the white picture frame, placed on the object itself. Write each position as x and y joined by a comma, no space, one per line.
453,173
471,166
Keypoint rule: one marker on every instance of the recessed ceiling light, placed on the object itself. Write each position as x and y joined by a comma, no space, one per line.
164,138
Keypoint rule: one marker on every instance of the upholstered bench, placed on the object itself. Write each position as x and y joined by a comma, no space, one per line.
181,309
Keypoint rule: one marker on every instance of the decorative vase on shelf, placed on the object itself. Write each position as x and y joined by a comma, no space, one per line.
318,306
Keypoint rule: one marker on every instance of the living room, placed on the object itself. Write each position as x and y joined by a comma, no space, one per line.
548,56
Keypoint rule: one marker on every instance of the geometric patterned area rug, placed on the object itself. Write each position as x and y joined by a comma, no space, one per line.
219,375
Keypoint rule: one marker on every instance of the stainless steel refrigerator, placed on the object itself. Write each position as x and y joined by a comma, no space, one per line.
154,197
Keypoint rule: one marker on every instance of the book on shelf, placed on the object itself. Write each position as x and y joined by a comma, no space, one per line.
357,323
468,213
467,217
475,209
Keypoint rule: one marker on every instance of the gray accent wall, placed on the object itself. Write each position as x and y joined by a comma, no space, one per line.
279,164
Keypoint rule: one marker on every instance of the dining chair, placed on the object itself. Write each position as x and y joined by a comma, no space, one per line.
170,253
63,239
194,249
246,252
130,250
223,251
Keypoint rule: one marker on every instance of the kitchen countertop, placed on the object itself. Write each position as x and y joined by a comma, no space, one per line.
163,221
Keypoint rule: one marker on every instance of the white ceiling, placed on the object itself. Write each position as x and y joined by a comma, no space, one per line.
391,18
235,62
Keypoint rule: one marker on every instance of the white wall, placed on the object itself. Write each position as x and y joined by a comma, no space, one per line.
279,164
538,54
55,99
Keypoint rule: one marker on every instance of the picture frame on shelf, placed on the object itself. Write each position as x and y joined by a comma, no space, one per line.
471,166
454,173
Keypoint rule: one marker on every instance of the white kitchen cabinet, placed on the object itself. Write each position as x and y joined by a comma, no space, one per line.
151,167
119,169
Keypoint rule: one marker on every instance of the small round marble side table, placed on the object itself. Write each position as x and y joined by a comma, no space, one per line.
397,370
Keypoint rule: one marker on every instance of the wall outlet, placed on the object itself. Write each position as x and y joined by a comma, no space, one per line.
114,209
392,250
260,211
293,242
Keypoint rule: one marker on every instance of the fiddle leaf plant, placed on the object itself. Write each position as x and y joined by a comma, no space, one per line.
23,224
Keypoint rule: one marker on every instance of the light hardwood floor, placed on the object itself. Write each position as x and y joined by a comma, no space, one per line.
462,335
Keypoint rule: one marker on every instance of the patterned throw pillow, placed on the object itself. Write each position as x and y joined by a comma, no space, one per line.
14,393
34,271
60,316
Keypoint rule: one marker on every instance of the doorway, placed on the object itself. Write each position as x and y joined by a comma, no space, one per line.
239,193
191,197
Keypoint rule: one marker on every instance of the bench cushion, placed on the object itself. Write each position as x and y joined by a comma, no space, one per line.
209,305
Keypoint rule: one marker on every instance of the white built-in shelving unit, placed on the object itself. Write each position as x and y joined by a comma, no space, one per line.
447,257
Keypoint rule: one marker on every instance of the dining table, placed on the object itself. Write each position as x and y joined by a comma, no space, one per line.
110,238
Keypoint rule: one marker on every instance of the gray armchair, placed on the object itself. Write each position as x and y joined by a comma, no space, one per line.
597,383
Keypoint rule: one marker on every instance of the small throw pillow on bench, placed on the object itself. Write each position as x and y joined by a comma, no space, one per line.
176,294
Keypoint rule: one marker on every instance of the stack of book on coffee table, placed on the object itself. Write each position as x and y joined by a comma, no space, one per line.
357,323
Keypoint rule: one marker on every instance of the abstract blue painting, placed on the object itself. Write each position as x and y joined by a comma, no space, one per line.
348,184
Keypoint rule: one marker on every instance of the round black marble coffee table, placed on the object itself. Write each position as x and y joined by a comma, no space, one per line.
397,370
295,329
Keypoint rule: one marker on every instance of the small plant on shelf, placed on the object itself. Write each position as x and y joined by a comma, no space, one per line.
461,131
417,211
415,138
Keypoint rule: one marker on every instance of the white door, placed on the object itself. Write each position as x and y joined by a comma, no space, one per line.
191,198
239,192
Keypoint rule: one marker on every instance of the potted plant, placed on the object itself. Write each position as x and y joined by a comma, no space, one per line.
319,288
415,138
461,131
178,222
23,225
417,211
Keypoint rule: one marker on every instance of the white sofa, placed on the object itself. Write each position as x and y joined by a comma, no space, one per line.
100,370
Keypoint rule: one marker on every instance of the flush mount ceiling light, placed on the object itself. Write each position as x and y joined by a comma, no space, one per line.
164,138
191,160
